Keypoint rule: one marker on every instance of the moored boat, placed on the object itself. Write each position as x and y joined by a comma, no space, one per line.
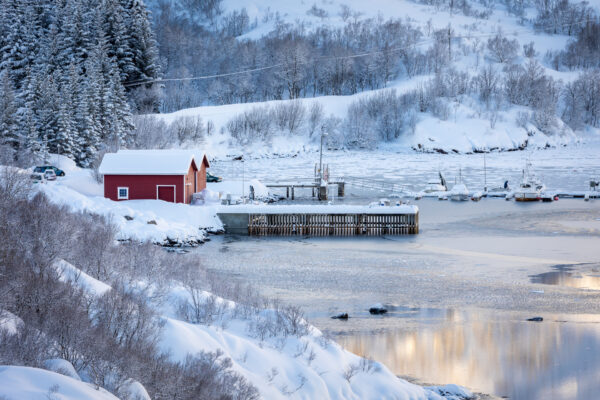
530,188
459,191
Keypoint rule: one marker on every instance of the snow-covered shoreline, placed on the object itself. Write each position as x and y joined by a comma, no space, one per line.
303,366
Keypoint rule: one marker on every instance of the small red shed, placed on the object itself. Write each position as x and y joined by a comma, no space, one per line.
169,175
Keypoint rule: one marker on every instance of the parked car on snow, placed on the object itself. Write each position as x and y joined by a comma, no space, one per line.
213,178
37,178
43,168
50,175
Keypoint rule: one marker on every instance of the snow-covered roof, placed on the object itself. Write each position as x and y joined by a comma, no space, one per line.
317,209
149,162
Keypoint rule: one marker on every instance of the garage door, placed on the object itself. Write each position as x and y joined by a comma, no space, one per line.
166,193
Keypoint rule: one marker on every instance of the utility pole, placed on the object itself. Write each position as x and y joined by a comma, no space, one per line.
323,135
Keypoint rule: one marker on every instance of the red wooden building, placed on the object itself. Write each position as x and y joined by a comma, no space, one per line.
169,175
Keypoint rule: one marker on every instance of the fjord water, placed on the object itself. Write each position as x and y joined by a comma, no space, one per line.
459,294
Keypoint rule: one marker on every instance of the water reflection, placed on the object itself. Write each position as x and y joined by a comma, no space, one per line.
565,275
556,359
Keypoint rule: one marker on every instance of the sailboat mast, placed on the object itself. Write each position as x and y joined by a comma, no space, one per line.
484,174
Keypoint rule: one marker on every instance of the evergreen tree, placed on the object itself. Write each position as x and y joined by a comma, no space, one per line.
18,50
144,51
8,109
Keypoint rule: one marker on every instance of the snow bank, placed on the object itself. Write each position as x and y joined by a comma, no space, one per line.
317,209
147,220
62,367
239,187
467,130
25,383
69,273
308,367
282,372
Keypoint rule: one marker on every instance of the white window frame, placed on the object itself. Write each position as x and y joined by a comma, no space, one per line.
174,191
119,197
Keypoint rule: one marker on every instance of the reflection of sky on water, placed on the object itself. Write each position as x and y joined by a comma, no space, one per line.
570,277
522,360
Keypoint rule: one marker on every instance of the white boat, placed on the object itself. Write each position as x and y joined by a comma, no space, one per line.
530,188
459,191
436,185
498,191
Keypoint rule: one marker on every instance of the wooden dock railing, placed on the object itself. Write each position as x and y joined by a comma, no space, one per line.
291,224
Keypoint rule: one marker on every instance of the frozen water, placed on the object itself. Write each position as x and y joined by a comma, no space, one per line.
471,260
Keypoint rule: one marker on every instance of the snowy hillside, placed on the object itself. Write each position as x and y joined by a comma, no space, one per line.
466,77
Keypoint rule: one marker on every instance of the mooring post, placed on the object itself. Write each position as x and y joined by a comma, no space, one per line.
323,192
292,193
340,189
287,192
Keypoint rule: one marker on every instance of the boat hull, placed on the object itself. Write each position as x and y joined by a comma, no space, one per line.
459,197
527,197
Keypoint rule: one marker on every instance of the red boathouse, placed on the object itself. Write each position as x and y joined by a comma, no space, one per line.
169,175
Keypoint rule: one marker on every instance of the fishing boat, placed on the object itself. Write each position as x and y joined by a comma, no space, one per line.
436,185
530,188
459,191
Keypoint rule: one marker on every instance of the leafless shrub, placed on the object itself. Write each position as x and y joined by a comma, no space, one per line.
315,117
188,129
150,133
503,49
368,366
251,125
529,50
289,116
317,12
350,371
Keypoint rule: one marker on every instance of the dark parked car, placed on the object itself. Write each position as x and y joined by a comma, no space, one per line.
40,169
212,178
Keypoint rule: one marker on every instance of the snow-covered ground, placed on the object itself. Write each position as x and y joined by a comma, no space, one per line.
305,367
24,383
140,220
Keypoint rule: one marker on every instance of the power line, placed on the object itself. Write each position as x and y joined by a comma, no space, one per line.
327,58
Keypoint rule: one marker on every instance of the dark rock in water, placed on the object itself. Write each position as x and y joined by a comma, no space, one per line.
535,319
377,309
343,316
151,222
128,218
